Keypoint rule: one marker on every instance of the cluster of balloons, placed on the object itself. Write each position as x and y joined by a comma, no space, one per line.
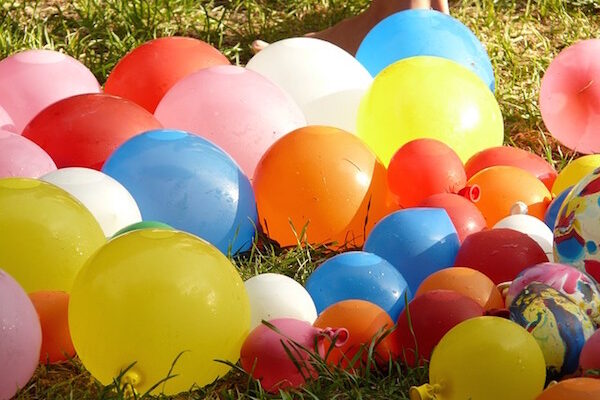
119,207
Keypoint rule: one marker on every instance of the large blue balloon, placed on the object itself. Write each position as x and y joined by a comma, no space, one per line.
189,183
361,276
424,33
554,208
417,241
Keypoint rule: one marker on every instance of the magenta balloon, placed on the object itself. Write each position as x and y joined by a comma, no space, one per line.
32,80
20,337
21,157
6,121
237,109
570,97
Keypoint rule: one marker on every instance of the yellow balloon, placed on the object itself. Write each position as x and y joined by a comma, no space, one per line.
429,97
484,358
575,171
151,294
46,235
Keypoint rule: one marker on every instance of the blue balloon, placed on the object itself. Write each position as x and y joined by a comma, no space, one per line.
417,241
361,276
189,183
424,33
554,208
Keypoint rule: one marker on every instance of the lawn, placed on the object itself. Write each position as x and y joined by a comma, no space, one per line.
521,36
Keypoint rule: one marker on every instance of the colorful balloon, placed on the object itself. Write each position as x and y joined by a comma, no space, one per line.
465,216
397,108
428,318
575,171
495,191
82,131
466,281
52,308
417,241
189,183
572,389
558,325
324,180
237,109
501,254
359,275
484,358
143,225
20,337
20,157
147,72
532,227
514,157
589,359
554,208
110,203
424,33
46,234
424,167
275,296
32,80
570,96
177,287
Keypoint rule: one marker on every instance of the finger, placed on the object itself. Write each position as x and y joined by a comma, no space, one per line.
440,5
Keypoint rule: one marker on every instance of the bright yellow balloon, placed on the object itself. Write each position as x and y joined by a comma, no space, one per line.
151,294
485,358
46,235
429,97
575,171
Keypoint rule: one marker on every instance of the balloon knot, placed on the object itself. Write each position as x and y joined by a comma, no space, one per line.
339,336
471,193
424,392
519,208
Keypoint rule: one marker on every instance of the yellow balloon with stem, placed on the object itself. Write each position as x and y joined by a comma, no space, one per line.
484,358
575,171
154,304
429,97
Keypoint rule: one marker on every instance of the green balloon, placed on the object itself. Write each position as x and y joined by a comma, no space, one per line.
143,225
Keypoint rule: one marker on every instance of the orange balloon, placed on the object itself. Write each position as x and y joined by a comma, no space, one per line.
573,389
495,190
466,281
52,308
325,179
364,321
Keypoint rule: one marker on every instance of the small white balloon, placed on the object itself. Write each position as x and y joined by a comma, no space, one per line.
278,296
109,202
532,227
339,110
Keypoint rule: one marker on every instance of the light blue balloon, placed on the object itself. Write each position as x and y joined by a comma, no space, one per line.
417,241
424,33
361,276
187,182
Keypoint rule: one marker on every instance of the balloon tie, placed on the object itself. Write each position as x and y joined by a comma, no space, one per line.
519,208
425,392
339,336
130,380
471,193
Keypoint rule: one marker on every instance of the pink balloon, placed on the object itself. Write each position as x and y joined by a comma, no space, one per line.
32,80
21,157
6,121
20,337
570,97
237,109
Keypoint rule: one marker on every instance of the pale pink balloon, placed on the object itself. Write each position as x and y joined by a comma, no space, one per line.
20,337
32,80
21,157
237,109
570,97
6,121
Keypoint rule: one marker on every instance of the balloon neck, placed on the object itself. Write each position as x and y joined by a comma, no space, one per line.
471,193
503,289
338,336
424,392
130,380
519,208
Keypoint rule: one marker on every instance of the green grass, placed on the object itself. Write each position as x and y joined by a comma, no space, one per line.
521,36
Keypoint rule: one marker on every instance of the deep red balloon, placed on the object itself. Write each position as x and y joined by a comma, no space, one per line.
84,130
432,315
501,254
465,216
424,167
589,359
514,157
146,73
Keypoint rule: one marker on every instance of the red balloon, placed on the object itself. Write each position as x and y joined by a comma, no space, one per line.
514,157
501,254
465,216
424,167
84,130
146,73
589,359
432,315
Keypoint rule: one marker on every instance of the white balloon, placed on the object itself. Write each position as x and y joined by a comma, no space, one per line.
532,227
339,110
311,70
278,296
108,201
